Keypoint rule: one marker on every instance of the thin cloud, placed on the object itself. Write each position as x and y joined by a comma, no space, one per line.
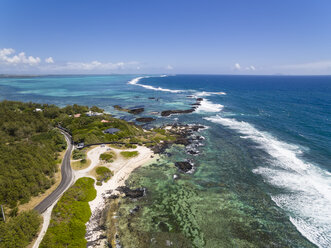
250,68
318,65
49,60
237,66
96,65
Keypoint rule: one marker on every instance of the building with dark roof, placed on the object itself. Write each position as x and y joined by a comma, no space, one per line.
111,130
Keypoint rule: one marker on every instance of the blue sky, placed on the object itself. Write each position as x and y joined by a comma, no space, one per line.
126,36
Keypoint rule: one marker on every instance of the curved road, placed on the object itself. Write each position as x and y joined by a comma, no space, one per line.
67,176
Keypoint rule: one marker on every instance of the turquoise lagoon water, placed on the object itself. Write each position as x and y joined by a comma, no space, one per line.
262,178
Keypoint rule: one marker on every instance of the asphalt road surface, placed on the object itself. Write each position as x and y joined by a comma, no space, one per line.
67,175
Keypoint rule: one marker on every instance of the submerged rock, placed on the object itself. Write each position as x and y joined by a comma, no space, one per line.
145,119
136,111
184,166
132,193
171,112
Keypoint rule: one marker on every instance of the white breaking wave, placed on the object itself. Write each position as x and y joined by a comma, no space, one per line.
208,106
135,81
205,105
308,200
206,93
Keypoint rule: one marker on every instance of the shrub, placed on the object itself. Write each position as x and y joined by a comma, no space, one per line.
78,154
104,174
19,231
129,154
106,156
130,146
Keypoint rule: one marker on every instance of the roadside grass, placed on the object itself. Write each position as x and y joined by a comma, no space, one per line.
80,164
67,226
129,154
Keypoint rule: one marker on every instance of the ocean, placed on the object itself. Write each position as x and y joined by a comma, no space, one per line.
263,173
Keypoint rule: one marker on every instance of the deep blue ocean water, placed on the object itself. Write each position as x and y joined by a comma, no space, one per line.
267,151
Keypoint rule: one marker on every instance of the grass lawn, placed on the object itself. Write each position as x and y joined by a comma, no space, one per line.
80,164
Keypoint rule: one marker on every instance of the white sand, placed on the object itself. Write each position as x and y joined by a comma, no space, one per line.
122,169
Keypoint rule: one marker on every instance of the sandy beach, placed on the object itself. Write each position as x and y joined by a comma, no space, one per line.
122,169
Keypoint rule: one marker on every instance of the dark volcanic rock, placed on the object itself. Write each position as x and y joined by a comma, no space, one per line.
134,210
151,98
132,193
119,108
199,99
136,111
171,112
184,166
145,119
182,141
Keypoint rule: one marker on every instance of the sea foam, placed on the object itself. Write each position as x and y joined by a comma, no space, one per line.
208,106
206,93
308,187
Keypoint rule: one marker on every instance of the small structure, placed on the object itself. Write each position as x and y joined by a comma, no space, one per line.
111,130
38,110
105,121
91,113
3,214
77,115
80,145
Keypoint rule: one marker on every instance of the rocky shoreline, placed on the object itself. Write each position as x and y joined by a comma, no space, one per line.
104,221
186,111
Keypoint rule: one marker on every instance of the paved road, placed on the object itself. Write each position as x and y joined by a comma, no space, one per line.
67,175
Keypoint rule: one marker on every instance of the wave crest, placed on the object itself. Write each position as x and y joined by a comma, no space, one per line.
208,106
135,81
308,199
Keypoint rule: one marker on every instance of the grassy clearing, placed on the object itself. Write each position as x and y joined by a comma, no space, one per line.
129,154
82,161
81,164
67,226
103,174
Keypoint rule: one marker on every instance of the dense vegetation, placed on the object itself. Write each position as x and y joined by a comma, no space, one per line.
20,230
78,154
29,143
29,147
129,154
103,174
67,226
90,129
